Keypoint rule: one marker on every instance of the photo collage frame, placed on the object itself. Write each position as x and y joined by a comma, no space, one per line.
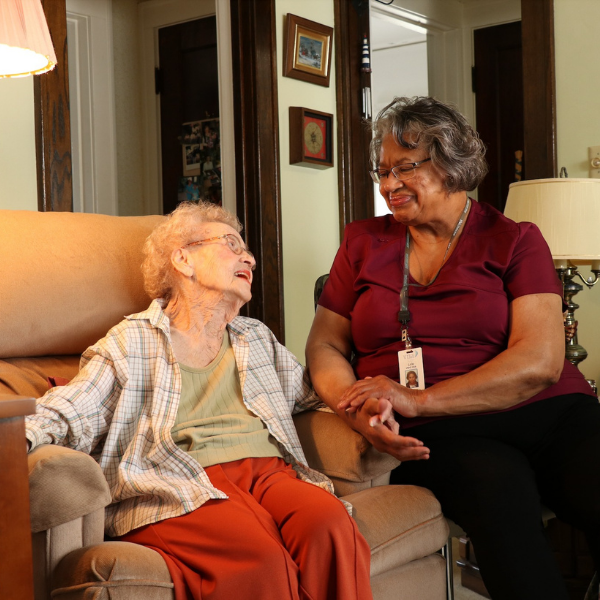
201,156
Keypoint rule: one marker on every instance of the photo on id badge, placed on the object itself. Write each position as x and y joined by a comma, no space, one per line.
410,363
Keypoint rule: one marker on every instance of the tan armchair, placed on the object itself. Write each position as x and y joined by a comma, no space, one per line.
66,279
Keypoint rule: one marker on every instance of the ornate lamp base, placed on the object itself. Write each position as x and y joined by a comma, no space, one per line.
574,351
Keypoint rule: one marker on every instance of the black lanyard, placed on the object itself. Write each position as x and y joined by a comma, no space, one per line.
404,314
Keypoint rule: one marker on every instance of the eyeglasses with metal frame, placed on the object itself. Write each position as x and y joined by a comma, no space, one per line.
401,172
232,242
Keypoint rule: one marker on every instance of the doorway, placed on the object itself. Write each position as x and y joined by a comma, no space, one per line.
188,85
449,30
498,87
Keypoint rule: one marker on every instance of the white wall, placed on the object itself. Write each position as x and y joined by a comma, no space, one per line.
309,197
18,178
578,126
128,108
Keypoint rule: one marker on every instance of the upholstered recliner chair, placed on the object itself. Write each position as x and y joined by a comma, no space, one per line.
66,279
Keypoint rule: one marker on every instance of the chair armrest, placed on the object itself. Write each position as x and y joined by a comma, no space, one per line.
339,452
63,485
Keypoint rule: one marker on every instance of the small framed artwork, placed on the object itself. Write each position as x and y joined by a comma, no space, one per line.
307,51
311,138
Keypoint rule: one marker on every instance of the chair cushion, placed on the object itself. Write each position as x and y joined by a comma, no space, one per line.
63,485
29,376
45,257
401,523
112,571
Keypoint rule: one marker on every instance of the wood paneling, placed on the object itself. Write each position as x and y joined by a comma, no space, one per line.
52,119
254,53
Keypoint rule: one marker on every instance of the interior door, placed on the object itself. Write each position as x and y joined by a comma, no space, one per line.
498,86
188,84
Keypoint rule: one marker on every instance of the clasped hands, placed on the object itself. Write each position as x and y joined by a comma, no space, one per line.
371,402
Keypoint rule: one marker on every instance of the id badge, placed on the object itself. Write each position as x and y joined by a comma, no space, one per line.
412,374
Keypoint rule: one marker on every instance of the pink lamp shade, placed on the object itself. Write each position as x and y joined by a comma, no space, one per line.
25,43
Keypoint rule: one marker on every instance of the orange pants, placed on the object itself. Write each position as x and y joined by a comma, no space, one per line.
275,538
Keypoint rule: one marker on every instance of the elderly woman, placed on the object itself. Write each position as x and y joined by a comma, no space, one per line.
504,422
187,408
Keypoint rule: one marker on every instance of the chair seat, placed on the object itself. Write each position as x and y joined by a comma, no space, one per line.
401,523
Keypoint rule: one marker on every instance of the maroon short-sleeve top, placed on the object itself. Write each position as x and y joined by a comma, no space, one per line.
461,320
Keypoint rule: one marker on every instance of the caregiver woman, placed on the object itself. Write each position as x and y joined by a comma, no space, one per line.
504,422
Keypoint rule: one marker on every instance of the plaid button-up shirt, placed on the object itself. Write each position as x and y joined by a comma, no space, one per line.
122,405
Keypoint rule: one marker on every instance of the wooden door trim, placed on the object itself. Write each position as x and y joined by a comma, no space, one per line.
52,119
351,20
539,89
254,52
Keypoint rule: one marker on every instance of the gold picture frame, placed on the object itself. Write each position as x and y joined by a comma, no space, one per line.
307,51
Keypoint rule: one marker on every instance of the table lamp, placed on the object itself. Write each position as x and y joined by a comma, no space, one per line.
25,42
567,211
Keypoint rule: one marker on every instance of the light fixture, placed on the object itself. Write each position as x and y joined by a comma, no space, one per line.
567,211
25,42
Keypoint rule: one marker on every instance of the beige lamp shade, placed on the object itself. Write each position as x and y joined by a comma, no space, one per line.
25,43
567,211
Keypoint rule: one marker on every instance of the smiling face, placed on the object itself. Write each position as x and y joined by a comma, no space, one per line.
411,378
216,267
417,200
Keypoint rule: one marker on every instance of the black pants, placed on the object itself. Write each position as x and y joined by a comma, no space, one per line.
491,473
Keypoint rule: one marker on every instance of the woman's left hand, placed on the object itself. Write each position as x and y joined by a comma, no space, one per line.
402,399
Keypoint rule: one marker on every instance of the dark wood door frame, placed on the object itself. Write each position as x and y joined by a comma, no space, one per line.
257,153
52,119
256,139
539,90
351,21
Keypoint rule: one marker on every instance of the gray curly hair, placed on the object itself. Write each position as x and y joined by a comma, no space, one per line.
442,131
179,229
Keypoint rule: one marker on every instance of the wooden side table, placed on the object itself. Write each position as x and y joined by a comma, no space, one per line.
16,568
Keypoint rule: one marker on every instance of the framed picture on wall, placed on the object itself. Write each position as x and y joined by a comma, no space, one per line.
311,138
307,51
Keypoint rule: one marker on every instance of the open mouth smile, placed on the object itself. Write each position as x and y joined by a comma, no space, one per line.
244,275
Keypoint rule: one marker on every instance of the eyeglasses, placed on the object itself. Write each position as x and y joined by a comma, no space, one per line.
401,172
233,242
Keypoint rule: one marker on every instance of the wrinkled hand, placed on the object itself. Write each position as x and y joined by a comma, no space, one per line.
375,420
402,399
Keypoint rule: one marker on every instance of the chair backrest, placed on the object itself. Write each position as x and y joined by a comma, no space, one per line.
67,278
319,285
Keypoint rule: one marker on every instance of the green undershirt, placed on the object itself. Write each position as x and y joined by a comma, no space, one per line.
213,425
